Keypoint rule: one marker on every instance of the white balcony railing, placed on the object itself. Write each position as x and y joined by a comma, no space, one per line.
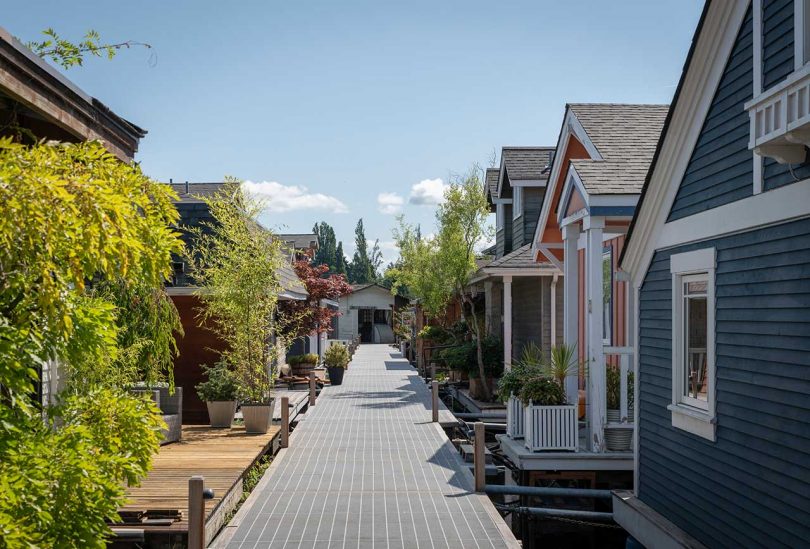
780,119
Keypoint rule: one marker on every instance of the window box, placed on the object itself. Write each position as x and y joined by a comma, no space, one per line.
514,418
550,427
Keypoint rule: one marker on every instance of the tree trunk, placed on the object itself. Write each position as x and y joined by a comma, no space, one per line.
478,349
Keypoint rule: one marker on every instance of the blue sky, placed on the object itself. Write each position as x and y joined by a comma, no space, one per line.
340,110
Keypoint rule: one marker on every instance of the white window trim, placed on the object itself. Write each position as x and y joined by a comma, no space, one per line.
701,422
517,202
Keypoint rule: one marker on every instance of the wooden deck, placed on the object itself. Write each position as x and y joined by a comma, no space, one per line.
221,456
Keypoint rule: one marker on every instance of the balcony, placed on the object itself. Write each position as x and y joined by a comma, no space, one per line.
780,119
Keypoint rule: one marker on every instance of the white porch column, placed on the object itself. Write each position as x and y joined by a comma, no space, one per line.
594,299
571,302
507,322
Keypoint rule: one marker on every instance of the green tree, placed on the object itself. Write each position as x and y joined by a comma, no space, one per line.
362,269
86,217
462,226
326,254
340,260
236,262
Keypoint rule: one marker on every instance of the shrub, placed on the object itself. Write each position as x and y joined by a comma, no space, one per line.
437,334
542,391
309,358
511,382
463,357
221,385
336,356
613,382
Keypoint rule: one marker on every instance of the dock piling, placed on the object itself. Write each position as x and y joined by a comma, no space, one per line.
434,386
312,393
285,422
479,459
196,512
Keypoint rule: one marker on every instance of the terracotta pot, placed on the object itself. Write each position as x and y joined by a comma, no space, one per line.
258,417
220,413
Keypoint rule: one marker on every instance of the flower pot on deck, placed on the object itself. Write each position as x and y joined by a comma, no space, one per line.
303,370
550,427
477,387
514,418
221,412
258,417
336,374
618,439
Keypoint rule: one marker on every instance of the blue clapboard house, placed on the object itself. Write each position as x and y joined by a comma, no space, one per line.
718,255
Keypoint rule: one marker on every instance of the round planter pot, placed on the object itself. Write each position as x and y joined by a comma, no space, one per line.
614,416
257,417
618,440
477,387
220,413
336,374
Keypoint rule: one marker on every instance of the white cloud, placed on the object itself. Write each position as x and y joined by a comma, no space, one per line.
389,203
428,192
289,198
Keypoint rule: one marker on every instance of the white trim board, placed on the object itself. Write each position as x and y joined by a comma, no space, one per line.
712,49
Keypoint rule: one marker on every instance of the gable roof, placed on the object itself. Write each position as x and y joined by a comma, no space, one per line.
188,192
526,163
300,241
492,176
625,135
522,258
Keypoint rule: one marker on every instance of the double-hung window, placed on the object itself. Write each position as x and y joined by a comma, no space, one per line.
693,368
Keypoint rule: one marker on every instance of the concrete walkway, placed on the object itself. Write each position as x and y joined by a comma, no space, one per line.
366,468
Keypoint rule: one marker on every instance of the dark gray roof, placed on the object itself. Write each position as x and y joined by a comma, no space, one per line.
626,137
300,241
526,163
522,258
292,285
188,192
492,182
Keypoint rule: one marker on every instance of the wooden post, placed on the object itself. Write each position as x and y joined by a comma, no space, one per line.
285,422
507,323
594,277
434,385
196,513
312,392
571,304
479,458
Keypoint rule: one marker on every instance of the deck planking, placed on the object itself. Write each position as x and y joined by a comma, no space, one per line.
221,456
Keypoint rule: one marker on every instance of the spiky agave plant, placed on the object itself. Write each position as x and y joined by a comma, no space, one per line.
563,362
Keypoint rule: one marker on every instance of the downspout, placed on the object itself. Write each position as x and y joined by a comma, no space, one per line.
554,310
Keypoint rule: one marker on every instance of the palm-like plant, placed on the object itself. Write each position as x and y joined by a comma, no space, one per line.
563,362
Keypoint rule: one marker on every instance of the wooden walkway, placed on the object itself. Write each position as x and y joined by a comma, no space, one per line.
367,468
220,455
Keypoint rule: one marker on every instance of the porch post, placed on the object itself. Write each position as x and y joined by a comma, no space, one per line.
507,322
594,299
571,302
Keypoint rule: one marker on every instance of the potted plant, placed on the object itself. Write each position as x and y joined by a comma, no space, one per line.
617,438
336,359
256,402
549,422
219,394
492,352
511,383
302,365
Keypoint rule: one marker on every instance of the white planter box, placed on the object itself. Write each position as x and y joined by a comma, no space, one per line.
514,417
551,427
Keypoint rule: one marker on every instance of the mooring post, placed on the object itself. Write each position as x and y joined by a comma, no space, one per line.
312,393
434,386
196,513
285,422
432,370
479,459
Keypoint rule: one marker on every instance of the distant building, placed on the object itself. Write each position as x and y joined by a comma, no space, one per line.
368,312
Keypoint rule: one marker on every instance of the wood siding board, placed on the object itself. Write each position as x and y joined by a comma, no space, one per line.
777,41
726,111
517,232
763,429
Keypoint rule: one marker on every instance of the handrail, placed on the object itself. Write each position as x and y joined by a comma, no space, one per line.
541,491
